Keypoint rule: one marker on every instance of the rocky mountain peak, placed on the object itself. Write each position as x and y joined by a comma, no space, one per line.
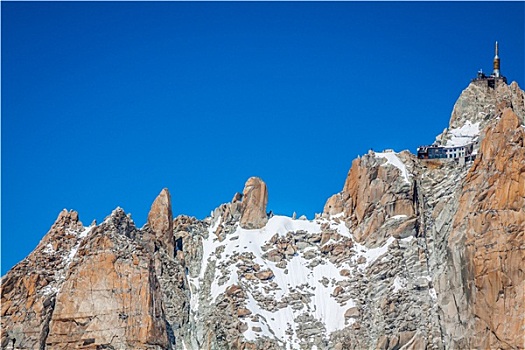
477,106
254,201
379,186
67,219
118,222
118,217
111,285
29,289
410,254
160,220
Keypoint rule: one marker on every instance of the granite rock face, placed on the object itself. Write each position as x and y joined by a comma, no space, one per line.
375,190
160,220
334,205
487,240
111,298
254,200
29,289
411,254
87,287
479,104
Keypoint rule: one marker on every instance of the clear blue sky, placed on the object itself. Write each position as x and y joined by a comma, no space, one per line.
106,103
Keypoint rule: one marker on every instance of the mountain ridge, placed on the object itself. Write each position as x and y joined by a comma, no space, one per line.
397,259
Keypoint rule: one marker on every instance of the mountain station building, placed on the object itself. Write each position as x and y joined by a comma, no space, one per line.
467,152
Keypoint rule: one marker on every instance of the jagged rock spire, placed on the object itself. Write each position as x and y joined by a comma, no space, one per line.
254,200
160,220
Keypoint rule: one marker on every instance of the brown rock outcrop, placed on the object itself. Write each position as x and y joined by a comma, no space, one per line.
29,289
255,198
480,104
373,191
334,205
487,241
110,299
160,220
432,257
86,287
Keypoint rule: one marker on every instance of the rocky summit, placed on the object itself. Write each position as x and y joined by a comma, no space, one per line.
411,254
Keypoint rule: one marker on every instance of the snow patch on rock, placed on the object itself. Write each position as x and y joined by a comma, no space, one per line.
372,254
80,236
464,135
394,160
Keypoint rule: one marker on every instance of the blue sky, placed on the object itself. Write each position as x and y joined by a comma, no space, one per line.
106,103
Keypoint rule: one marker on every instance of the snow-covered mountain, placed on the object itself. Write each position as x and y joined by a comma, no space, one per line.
411,254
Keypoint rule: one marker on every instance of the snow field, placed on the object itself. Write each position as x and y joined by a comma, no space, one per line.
296,277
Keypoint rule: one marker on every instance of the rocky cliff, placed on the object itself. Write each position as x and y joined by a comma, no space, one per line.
486,243
411,254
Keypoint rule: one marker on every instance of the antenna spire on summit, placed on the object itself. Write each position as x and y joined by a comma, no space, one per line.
496,62
495,78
